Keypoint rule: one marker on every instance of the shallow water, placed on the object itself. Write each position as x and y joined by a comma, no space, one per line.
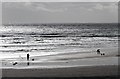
40,40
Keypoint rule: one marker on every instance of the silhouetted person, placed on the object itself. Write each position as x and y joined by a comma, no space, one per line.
28,56
98,51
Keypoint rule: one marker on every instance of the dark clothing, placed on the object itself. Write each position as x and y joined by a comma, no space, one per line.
98,51
28,56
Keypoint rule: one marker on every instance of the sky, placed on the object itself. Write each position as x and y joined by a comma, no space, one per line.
59,12
60,0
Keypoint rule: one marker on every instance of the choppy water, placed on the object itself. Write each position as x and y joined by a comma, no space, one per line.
50,39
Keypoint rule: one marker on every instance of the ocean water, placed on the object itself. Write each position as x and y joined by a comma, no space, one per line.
50,39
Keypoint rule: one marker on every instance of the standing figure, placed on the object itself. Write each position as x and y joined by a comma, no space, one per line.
28,56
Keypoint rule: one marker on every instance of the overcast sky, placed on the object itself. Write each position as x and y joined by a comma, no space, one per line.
59,12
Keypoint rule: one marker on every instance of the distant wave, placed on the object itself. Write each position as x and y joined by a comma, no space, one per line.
23,50
101,36
55,35
28,45
4,35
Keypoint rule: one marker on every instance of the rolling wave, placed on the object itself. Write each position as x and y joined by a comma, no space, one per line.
57,39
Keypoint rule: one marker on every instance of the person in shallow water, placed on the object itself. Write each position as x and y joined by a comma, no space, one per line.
98,51
28,56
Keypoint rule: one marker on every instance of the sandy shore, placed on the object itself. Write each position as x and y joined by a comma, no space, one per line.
63,65
60,61
87,71
90,67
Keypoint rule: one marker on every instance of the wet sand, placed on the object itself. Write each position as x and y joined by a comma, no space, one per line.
63,60
98,67
64,65
87,71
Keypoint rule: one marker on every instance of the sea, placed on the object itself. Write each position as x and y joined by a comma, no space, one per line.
56,38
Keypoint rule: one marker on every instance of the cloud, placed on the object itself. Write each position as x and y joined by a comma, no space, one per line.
50,10
58,7
41,12
48,7
62,7
99,7
111,7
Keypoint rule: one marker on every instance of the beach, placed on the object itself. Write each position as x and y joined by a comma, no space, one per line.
90,71
59,39
59,50
72,65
